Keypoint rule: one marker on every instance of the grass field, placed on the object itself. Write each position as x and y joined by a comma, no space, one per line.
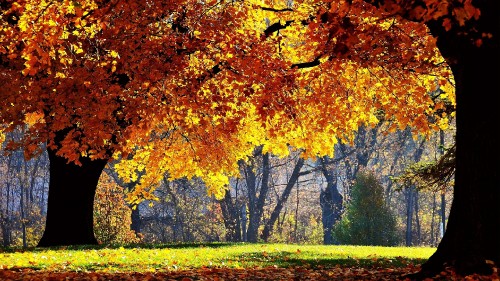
169,257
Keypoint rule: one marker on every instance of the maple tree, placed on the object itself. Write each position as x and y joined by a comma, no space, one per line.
191,88
467,35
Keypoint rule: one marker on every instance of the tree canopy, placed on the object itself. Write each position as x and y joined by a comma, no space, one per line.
189,88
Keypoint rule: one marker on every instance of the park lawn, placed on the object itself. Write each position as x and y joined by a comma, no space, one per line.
174,257
218,261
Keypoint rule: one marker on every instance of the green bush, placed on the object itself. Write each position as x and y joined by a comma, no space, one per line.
367,219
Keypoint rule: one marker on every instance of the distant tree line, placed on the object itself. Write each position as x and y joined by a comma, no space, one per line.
351,198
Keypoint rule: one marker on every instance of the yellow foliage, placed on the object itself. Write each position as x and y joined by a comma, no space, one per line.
197,102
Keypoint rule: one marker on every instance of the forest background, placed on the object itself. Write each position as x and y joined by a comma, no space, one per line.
300,202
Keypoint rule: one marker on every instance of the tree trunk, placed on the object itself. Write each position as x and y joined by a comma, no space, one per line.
331,203
473,229
231,218
433,218
5,228
244,223
409,216
417,220
135,214
443,192
256,203
135,217
71,201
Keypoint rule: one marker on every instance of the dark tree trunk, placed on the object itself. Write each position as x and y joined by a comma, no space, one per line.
5,228
231,216
331,204
409,216
412,201
256,203
135,214
136,220
417,219
443,192
473,230
71,201
244,223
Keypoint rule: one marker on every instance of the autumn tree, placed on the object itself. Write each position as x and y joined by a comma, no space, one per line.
191,88
96,79
467,35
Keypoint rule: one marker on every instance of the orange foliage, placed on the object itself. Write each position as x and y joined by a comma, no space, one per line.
190,87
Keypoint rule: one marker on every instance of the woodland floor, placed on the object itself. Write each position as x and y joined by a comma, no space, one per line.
270,273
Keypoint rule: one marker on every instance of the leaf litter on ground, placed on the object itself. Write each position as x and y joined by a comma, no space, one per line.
220,261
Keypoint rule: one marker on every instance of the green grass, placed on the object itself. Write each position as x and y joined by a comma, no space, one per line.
150,258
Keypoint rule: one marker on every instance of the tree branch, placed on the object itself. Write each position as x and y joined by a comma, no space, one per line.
277,10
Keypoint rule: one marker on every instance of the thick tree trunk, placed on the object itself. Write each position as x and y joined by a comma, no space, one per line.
71,201
473,230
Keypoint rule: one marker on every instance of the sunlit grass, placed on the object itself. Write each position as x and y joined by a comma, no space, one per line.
149,258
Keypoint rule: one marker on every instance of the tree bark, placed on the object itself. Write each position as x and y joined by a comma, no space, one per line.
471,237
5,228
71,201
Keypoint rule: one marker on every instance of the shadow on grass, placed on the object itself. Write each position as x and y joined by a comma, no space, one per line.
117,246
250,258
316,260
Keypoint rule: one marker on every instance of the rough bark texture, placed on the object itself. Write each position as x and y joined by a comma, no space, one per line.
71,201
473,229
